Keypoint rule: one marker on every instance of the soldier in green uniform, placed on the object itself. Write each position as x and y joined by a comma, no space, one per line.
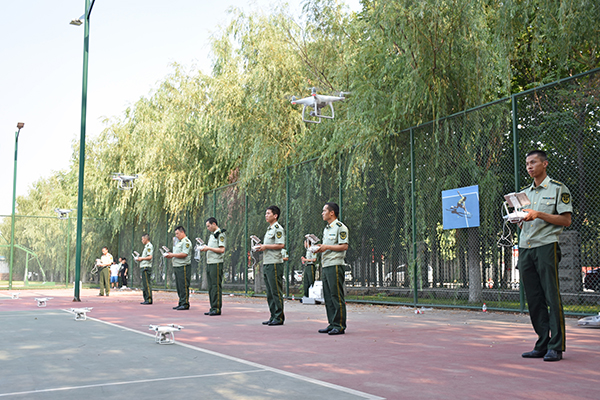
539,255
146,268
333,249
308,275
215,255
104,271
273,243
182,266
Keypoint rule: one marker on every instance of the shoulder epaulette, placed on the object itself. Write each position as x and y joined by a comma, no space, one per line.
526,187
277,226
339,223
556,182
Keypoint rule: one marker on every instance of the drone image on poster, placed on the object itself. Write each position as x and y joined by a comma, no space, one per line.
316,102
460,208
125,181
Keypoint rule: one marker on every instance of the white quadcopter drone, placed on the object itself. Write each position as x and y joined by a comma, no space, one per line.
312,241
165,333
42,301
63,213
15,296
591,322
317,102
255,242
81,313
125,181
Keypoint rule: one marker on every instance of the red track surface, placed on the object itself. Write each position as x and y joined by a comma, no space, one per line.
387,351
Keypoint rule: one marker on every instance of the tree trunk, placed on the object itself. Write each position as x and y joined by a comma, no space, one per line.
474,265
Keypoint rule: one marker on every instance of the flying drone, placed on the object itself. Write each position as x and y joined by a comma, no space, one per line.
63,213
15,296
317,102
81,313
165,333
125,181
42,301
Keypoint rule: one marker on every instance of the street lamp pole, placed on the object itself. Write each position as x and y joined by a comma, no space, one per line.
86,40
14,200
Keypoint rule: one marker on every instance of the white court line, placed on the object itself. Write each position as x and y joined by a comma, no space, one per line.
125,383
255,365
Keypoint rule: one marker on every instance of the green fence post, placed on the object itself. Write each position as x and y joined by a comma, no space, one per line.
287,226
68,250
414,213
246,242
132,249
515,127
214,203
340,186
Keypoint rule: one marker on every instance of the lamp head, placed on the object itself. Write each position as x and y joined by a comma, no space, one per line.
77,21
20,125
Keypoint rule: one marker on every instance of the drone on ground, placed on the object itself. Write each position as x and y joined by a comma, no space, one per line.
63,213
125,181
165,333
81,313
317,102
42,301
593,321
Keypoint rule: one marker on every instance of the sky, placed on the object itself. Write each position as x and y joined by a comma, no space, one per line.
133,44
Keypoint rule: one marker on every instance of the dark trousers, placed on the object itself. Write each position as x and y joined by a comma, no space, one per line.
104,276
147,284
308,277
333,292
273,274
214,276
538,268
183,276
123,277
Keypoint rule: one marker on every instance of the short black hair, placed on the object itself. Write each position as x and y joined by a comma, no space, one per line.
333,207
212,220
275,210
104,247
180,228
541,154
145,235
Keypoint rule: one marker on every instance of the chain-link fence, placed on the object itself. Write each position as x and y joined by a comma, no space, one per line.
391,201
44,250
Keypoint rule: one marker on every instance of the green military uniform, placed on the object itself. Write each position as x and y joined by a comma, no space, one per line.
273,272
214,269
104,274
539,255
308,275
183,271
334,275
146,268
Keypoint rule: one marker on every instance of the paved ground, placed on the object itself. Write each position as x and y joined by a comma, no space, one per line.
388,351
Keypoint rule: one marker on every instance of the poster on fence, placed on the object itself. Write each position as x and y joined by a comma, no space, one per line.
461,207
